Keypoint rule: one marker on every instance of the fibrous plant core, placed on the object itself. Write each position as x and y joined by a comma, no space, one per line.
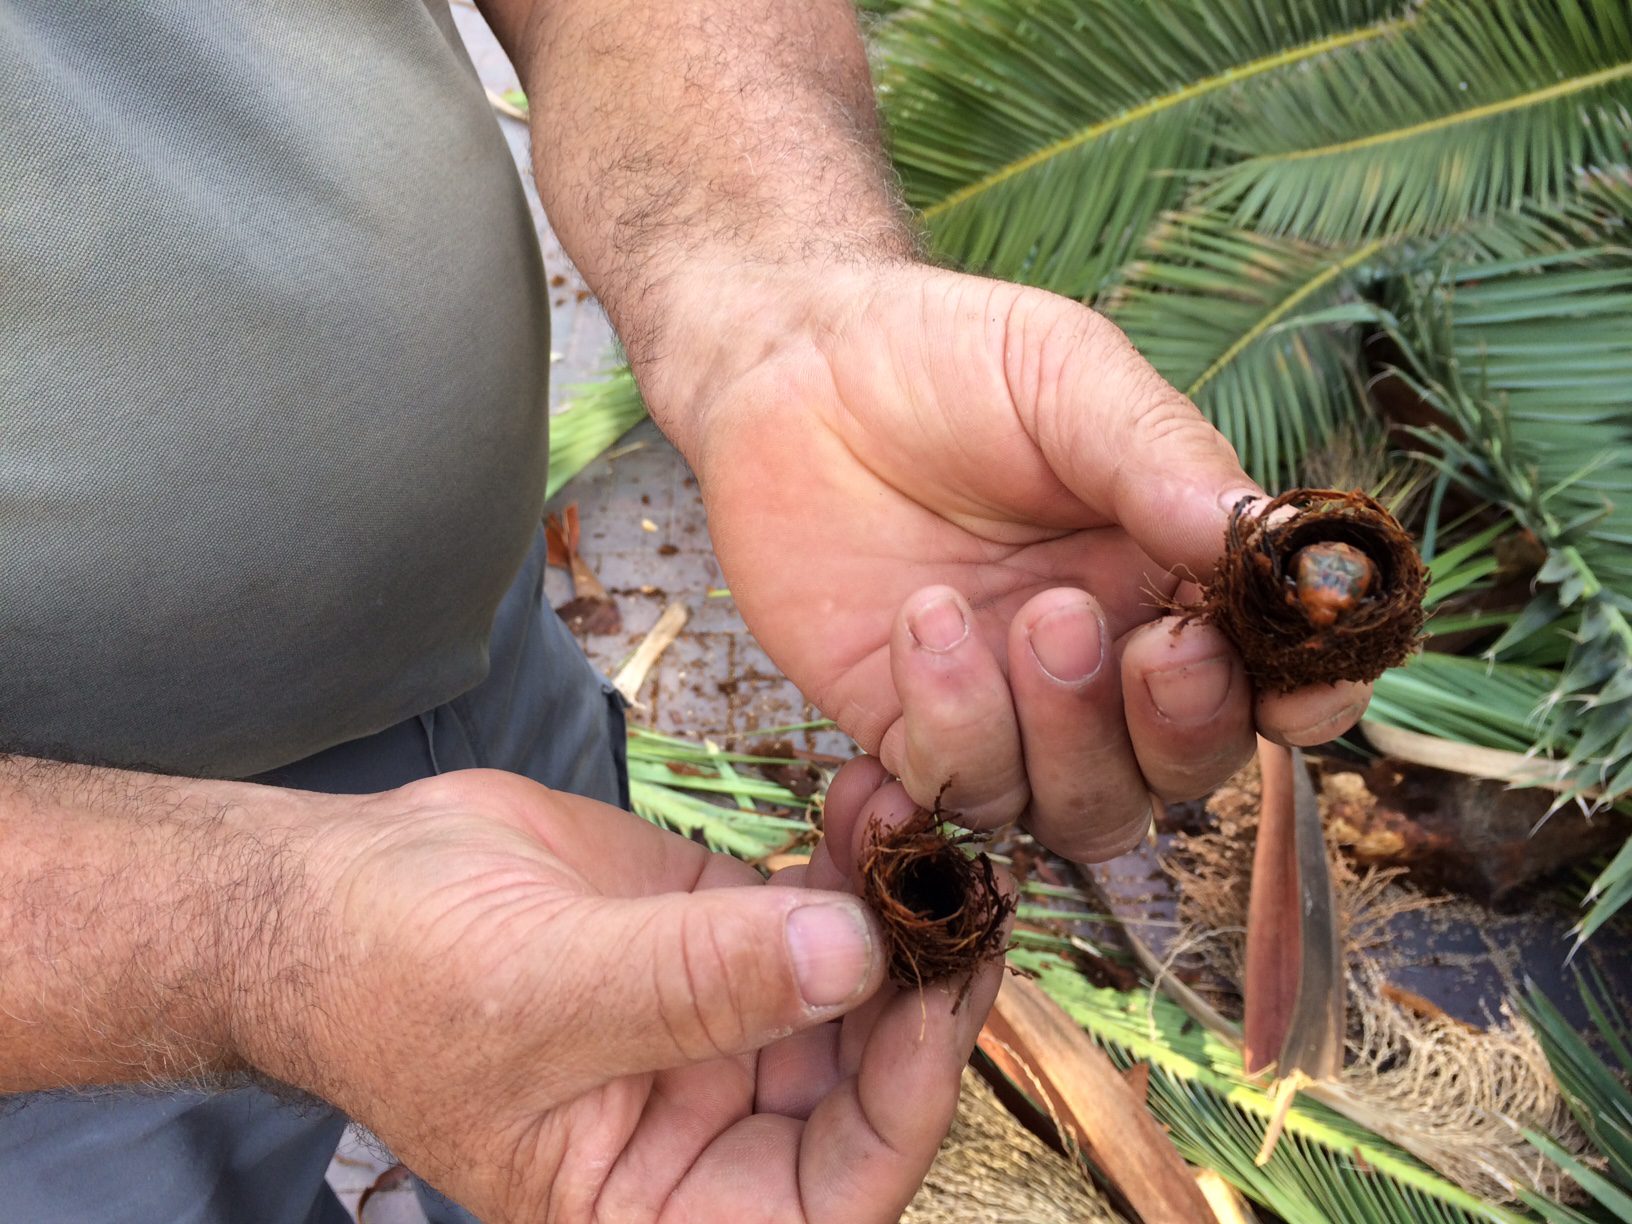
1314,587
942,911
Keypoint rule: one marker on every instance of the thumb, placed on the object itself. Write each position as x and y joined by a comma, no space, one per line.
687,977
1125,441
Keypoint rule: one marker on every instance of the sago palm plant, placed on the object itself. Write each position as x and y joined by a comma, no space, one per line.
1308,212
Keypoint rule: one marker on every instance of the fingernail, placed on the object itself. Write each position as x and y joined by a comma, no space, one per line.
832,952
1191,692
1069,642
940,626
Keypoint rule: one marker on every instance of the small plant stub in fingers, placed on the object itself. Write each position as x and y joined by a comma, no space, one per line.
1314,587
942,911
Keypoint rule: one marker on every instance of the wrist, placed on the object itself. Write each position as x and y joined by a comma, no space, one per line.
736,331
270,866
147,923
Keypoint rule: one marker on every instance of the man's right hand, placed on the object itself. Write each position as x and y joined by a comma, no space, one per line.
552,1010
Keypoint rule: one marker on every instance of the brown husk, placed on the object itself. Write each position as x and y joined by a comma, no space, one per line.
1253,600
942,911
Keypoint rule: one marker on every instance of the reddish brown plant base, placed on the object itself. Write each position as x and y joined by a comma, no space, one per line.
942,910
1315,587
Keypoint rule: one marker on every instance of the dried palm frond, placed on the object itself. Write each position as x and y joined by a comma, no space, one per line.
1454,1096
991,1170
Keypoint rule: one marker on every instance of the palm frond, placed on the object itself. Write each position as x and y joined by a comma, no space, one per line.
596,416
1489,705
1259,332
1597,1095
1479,106
696,790
1529,362
1546,344
1324,1167
1041,139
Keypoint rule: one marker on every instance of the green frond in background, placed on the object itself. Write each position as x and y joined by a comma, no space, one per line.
1483,105
1040,140
697,791
1325,1168
1598,1096
1531,360
596,416
1529,363
1260,332
1489,705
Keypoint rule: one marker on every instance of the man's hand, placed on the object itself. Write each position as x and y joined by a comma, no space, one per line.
545,1006
951,510
554,1011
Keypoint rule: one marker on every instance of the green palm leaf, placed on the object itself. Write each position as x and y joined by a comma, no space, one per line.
1041,138
1597,1095
1549,340
1258,331
1325,1168
596,416
672,782
1531,362
1489,705
1481,105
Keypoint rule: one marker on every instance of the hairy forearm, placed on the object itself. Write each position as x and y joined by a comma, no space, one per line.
683,146
143,923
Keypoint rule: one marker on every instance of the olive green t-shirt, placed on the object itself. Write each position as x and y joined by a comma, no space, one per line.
273,349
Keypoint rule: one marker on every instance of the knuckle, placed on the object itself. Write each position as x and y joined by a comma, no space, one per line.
1047,341
1157,415
1160,419
471,789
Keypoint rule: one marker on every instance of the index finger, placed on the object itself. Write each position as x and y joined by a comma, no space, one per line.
862,793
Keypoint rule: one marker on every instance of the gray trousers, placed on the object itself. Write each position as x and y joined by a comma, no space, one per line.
244,1157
